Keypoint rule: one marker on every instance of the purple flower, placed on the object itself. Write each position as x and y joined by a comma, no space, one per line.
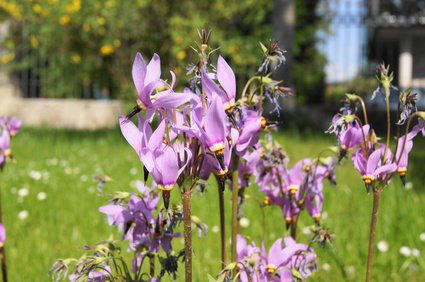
226,78
353,136
5,151
313,205
2,235
213,127
250,127
153,93
372,169
116,215
12,125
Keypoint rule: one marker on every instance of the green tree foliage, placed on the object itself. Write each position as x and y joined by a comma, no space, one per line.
86,48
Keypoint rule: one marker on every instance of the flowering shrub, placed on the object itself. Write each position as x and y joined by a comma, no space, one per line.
92,58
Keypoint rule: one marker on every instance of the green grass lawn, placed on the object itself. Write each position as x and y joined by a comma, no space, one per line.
61,164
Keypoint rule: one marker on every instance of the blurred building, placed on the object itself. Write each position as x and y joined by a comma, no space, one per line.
396,35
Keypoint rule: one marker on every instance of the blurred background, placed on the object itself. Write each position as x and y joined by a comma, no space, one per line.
84,50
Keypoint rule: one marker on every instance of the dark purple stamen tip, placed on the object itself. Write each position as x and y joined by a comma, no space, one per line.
135,110
145,174
220,159
166,198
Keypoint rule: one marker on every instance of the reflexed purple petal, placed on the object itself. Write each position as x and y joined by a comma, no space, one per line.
373,161
168,166
157,136
131,133
274,256
211,88
226,77
215,121
170,100
385,169
153,70
139,72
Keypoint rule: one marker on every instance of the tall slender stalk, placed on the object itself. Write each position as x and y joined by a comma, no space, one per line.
222,228
187,219
376,198
235,201
2,248
294,224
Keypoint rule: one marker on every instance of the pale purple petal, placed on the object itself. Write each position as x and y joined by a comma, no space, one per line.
131,133
373,161
139,72
153,70
157,136
215,122
226,77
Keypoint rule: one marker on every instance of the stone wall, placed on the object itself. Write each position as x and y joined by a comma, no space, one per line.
63,113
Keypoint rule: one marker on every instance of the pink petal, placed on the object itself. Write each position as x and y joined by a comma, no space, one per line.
153,70
139,72
131,133
226,77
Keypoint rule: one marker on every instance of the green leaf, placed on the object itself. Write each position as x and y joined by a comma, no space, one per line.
211,279
264,48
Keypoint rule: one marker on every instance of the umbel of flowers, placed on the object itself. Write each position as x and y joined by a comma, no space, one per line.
9,127
182,138
376,161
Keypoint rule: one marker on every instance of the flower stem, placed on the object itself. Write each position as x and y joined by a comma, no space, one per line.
376,198
222,228
2,248
294,224
235,201
187,219
387,102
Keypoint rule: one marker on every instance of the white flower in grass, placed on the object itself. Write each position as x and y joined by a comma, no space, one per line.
133,171
408,186
244,222
326,267
351,270
383,246
23,192
36,175
422,237
41,196
416,253
84,178
324,216
215,229
23,214
306,230
405,251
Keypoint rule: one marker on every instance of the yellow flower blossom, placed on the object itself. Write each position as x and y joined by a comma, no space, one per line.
106,50
181,55
64,20
101,20
37,8
74,7
76,59
34,41
7,58
12,9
